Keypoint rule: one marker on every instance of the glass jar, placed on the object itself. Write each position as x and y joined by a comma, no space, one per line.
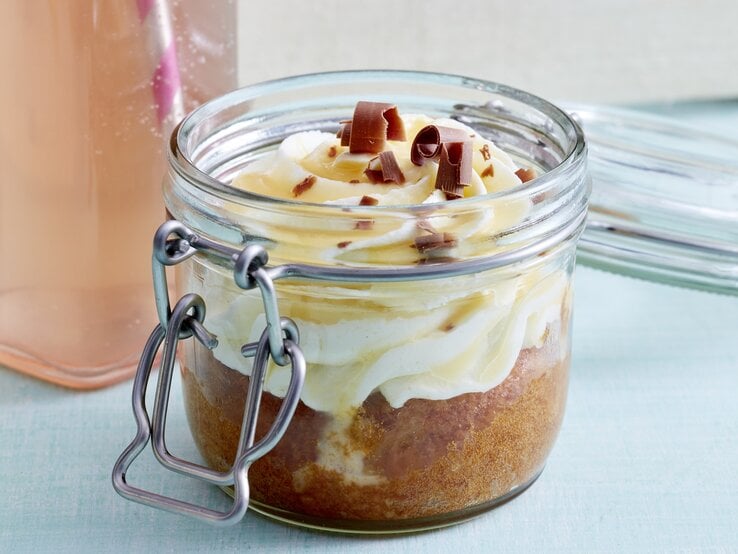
435,384
91,90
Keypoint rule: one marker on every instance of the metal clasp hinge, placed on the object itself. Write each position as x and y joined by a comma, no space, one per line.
280,340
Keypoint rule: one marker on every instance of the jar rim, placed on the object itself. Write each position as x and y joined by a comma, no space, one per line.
181,161
221,137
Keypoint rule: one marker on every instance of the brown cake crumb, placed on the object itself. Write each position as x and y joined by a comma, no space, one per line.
484,150
343,244
332,151
431,457
364,225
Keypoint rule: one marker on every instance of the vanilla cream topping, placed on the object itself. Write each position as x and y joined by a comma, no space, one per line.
406,340
435,353
338,178
320,155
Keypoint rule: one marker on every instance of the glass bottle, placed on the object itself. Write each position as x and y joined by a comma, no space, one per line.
90,92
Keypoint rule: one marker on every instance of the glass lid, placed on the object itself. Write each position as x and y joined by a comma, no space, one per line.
664,202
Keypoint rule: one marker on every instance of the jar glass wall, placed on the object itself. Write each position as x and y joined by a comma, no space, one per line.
435,384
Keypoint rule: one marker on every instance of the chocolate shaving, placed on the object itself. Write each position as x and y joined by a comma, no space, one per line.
454,169
384,169
354,181
368,201
435,241
303,186
343,244
488,171
453,148
484,150
373,124
437,260
364,224
344,133
428,142
526,175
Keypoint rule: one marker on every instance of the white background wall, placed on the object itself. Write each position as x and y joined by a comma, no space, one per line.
606,50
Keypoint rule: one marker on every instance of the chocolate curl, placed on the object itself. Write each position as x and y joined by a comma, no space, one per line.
372,125
344,133
454,168
428,141
384,169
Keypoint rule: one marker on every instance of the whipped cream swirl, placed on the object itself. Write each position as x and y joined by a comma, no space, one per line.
425,339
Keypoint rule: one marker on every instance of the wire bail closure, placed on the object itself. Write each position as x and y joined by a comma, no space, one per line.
280,340
173,243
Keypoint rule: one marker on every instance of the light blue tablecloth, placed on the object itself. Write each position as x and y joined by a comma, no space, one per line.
647,459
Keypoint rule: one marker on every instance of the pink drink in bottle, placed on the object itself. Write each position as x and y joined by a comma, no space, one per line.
90,91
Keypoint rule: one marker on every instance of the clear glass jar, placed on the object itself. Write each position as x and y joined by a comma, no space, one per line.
90,91
435,386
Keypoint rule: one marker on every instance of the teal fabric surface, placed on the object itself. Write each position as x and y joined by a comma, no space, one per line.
647,459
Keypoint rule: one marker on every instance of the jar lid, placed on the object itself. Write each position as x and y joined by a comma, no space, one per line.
664,203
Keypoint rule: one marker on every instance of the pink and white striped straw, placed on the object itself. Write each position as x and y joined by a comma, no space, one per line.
165,82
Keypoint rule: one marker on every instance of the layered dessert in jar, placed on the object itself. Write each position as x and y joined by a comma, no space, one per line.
427,400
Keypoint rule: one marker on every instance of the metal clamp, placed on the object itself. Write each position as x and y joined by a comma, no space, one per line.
280,339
